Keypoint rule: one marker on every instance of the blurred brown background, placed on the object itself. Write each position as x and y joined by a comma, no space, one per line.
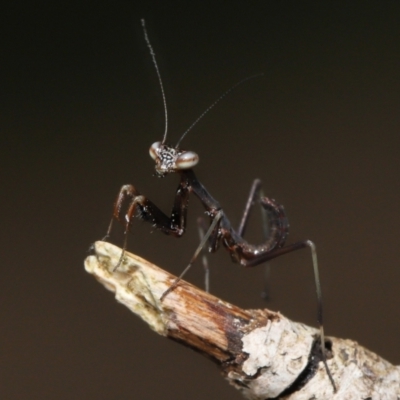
80,106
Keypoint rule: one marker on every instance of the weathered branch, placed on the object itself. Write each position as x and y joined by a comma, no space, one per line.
260,352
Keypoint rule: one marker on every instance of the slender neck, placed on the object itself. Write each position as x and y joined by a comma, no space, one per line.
199,190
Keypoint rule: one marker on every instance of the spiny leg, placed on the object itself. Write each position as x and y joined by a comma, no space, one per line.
127,191
136,200
254,193
213,225
202,228
147,210
281,230
260,258
313,249
267,268
255,196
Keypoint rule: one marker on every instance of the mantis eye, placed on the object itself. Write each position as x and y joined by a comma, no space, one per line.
187,160
154,150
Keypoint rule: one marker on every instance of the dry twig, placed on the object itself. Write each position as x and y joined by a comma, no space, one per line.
260,352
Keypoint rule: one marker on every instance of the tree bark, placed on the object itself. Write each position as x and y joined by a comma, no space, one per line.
260,352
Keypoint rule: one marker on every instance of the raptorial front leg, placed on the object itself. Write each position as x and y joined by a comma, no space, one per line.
140,206
126,192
